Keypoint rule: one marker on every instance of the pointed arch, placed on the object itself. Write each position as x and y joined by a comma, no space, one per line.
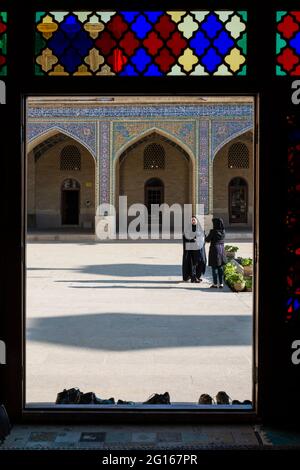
53,131
160,132
159,136
230,138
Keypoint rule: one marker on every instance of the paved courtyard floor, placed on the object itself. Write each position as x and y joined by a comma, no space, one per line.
115,318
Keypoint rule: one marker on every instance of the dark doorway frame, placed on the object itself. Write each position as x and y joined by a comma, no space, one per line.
64,209
273,336
154,184
231,188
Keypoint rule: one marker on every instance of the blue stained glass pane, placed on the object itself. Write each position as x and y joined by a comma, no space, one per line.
129,70
295,43
223,42
141,27
211,25
82,43
141,59
71,25
153,71
211,60
129,15
70,60
199,43
153,15
58,43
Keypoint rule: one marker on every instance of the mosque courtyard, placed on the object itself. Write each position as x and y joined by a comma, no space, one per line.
116,319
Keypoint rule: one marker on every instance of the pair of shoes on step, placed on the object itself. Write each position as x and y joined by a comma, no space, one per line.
74,396
215,286
221,399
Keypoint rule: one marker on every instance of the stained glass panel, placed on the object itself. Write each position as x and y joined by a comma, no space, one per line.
147,43
3,40
293,222
288,43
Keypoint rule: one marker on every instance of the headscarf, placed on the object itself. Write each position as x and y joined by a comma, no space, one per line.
218,223
219,229
200,237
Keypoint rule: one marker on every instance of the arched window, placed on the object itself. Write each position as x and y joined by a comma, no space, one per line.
154,157
70,158
238,155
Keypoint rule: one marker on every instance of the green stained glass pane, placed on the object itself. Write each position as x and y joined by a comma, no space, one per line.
38,70
243,14
39,15
141,43
242,43
279,71
243,71
40,43
3,71
3,43
280,43
280,15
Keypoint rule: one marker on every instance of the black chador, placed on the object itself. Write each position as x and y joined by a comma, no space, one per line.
194,256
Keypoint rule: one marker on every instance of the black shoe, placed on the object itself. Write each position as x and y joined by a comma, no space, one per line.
108,401
214,286
157,399
238,402
123,402
222,398
88,399
69,397
205,399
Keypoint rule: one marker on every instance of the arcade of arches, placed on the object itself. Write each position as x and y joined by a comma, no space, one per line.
65,179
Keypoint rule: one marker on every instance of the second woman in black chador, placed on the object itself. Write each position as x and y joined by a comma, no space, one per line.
216,255
194,257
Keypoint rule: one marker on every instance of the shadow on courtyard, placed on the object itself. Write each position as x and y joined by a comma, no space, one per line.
130,332
121,270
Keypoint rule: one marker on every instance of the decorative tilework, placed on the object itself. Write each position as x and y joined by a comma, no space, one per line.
104,163
126,131
83,132
3,42
203,168
141,43
224,131
211,111
188,125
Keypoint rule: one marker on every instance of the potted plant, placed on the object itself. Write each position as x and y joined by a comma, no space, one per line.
237,281
229,269
230,251
248,284
247,265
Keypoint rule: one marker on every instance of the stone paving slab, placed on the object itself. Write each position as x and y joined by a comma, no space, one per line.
117,320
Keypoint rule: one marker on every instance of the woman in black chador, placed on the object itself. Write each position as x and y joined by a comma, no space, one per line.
194,257
216,255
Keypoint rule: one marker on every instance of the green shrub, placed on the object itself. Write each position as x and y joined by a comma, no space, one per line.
248,283
231,248
236,277
229,270
246,261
